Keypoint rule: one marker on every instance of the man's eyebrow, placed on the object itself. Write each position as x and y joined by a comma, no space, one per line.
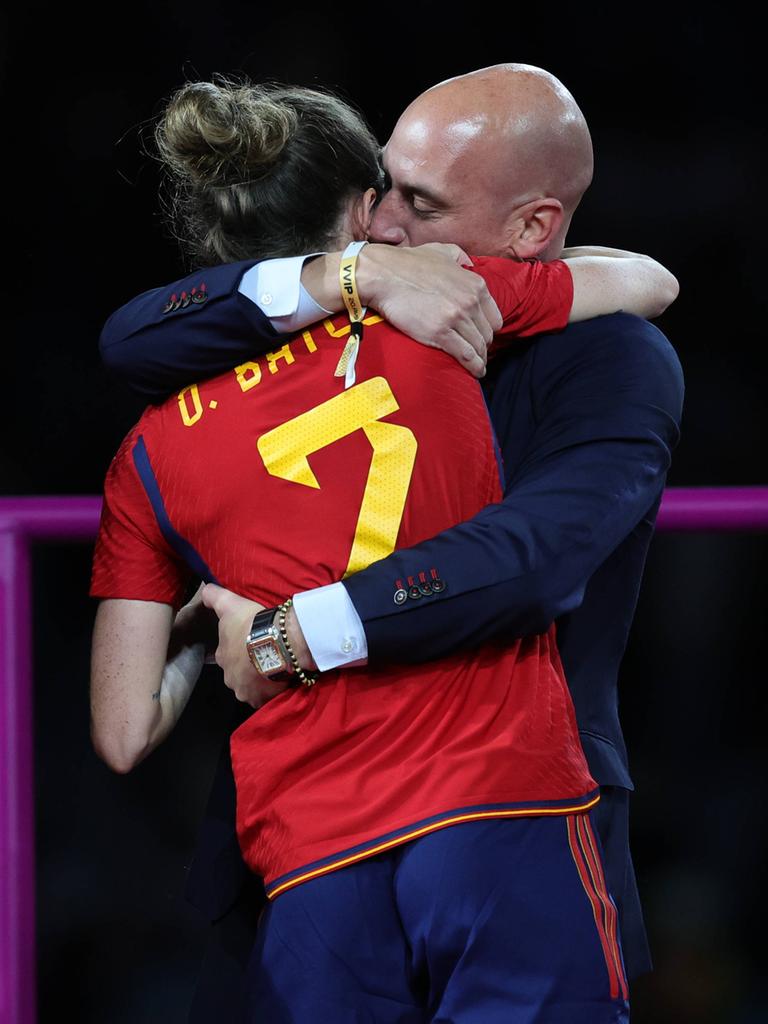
424,193
411,190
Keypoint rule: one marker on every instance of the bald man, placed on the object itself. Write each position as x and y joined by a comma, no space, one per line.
495,161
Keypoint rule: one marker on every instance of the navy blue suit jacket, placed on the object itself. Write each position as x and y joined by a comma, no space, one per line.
586,420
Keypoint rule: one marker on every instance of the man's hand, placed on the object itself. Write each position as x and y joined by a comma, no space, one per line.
235,615
426,293
194,624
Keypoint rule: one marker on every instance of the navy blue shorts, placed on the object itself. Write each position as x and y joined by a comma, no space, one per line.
492,922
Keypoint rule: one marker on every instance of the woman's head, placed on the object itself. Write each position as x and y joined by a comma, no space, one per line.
263,171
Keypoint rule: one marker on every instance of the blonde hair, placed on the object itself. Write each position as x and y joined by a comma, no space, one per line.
259,171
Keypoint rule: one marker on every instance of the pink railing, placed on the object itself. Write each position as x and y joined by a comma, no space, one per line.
23,521
26,520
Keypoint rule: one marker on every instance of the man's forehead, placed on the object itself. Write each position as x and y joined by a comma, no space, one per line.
441,162
403,160
416,178
408,146
429,127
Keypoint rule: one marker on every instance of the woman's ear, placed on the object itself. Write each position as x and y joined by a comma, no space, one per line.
363,213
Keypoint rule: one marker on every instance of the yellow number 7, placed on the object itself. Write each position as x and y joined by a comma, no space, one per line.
285,450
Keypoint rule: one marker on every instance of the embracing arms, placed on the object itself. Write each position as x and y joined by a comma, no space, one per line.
609,280
587,423
204,324
168,337
423,292
606,403
607,422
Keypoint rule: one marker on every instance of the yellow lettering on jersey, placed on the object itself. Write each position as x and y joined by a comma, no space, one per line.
282,353
362,407
248,375
339,332
309,341
190,418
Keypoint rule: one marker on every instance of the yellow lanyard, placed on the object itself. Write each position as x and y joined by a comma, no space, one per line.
356,311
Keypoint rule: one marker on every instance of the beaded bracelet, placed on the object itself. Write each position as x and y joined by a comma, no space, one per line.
307,678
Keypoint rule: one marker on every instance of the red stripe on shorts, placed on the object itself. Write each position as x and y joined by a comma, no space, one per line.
595,902
589,847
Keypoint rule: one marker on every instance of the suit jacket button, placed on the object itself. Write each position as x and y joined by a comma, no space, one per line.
401,596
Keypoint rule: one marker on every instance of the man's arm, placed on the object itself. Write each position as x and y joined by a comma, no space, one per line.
167,338
607,413
607,400
206,323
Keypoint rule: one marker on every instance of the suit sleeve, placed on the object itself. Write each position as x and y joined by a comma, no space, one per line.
195,328
607,416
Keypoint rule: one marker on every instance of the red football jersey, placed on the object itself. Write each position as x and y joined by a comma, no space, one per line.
275,478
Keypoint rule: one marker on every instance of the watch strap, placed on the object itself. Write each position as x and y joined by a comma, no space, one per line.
265,634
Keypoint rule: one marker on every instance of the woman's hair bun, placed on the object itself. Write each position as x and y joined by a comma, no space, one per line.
223,133
255,172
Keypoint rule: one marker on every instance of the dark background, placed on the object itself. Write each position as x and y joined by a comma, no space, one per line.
675,101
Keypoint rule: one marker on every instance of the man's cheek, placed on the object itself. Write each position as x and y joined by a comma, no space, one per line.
435,230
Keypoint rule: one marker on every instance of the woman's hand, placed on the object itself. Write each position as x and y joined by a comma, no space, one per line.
423,291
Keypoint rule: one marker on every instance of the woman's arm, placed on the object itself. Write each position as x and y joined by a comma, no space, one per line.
410,286
609,280
427,292
139,684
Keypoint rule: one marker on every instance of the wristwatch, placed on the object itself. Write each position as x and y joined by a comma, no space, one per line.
265,646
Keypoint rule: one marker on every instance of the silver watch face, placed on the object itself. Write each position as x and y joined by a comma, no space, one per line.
267,657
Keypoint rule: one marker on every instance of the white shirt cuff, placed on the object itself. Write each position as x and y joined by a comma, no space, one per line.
275,287
331,626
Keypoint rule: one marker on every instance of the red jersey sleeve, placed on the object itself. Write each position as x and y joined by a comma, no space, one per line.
132,559
533,297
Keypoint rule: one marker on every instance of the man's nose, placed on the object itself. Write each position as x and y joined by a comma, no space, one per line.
384,225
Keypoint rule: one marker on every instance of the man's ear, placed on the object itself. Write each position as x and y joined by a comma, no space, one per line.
532,226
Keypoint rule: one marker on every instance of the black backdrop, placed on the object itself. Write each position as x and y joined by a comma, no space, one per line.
675,103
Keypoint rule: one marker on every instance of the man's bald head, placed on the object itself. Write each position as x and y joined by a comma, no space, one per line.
530,127
475,150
